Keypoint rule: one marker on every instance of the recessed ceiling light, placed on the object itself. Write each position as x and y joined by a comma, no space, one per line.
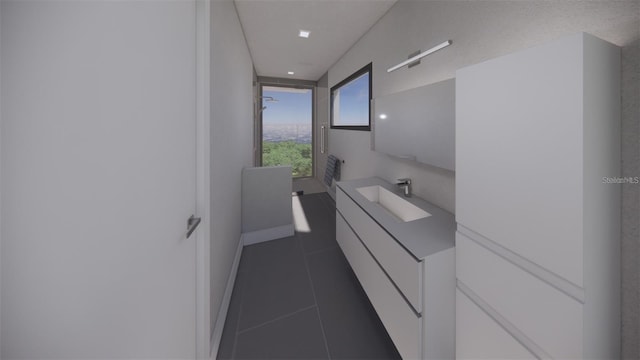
290,72
304,33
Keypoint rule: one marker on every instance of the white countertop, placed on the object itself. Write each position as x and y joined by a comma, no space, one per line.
421,237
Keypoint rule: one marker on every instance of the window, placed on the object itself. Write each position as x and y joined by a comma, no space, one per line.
287,128
351,101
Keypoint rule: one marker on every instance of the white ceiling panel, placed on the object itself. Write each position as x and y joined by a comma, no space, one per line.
272,26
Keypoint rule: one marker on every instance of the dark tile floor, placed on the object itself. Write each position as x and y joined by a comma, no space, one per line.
297,298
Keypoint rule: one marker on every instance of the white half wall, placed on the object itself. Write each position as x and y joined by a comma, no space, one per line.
266,198
266,204
231,141
482,30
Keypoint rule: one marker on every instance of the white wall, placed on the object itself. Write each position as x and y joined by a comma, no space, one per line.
631,200
481,30
231,144
0,178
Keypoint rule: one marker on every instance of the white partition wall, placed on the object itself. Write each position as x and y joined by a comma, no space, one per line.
538,241
267,212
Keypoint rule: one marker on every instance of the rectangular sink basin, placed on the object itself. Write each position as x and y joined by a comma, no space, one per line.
394,204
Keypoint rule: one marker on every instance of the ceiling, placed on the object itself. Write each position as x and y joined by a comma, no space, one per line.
271,28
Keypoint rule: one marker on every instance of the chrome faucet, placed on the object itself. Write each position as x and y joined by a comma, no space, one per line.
405,184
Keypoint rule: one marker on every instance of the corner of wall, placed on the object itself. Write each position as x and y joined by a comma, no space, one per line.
630,242
0,179
218,326
232,75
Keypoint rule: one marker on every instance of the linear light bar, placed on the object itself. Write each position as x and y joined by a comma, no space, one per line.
420,56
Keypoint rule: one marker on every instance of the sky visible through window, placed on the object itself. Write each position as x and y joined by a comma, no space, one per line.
291,107
351,103
287,129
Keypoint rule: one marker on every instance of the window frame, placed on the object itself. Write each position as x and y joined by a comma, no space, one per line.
364,70
263,82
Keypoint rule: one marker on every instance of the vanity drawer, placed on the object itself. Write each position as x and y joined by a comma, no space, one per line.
405,271
478,336
547,316
403,326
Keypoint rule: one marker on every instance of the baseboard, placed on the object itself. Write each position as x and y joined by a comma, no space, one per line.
216,335
259,236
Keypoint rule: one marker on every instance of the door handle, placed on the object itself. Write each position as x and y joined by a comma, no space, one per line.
192,224
322,139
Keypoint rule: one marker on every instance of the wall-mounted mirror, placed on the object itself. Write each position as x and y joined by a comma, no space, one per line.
417,124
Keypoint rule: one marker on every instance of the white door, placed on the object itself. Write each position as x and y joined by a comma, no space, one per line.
98,179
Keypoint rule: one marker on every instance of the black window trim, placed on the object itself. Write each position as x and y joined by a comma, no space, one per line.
366,69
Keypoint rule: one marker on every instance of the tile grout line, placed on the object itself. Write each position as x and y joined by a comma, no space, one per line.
281,317
313,291
324,206
306,263
242,291
329,203
235,338
319,251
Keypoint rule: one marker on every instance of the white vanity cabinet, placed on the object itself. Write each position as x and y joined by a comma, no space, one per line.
414,296
403,324
538,224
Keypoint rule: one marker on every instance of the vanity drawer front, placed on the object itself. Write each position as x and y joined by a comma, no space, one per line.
403,326
402,267
547,316
478,336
